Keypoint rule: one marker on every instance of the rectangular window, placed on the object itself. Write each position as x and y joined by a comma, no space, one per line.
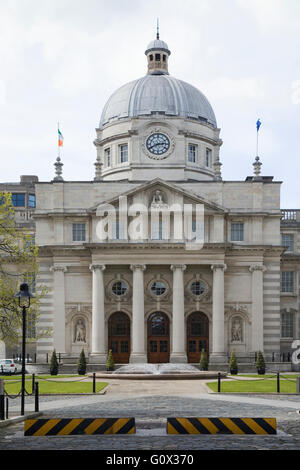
287,325
78,231
208,157
123,151
31,200
237,232
107,157
287,281
192,153
288,240
18,199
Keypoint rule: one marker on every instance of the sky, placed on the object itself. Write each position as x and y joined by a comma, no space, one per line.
60,60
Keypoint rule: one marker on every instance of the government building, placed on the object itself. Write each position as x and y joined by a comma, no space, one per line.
158,257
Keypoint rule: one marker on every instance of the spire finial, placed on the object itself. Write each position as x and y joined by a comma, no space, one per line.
58,170
157,29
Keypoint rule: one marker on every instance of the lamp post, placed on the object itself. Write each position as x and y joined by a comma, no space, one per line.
24,296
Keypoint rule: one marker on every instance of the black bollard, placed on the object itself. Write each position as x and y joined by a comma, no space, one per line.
94,382
2,401
33,382
219,382
278,382
36,397
6,410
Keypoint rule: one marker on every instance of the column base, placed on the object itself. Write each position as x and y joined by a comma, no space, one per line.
178,358
138,358
97,358
218,358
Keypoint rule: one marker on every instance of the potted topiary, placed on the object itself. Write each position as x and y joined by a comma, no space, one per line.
203,360
233,365
110,363
260,363
81,366
53,364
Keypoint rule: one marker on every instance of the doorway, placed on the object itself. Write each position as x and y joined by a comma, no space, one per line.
119,337
197,336
158,329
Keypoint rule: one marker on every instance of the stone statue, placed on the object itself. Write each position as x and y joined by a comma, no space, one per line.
236,329
80,336
157,201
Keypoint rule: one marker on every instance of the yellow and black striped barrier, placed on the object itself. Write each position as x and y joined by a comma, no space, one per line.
78,426
221,426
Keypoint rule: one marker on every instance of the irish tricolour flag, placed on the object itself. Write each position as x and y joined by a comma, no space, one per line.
60,139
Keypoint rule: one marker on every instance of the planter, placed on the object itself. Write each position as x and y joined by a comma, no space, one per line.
110,369
261,370
233,371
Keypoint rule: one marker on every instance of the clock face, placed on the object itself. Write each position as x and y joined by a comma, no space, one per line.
158,144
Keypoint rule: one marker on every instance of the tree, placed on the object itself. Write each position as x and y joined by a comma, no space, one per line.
81,366
18,264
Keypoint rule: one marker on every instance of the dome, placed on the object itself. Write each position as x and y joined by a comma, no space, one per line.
161,94
157,45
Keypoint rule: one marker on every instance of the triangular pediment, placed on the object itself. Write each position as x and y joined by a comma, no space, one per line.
166,189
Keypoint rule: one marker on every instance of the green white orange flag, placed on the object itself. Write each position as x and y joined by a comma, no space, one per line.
60,139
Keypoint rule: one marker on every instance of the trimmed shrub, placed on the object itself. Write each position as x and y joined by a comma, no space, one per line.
260,363
53,364
110,363
233,365
203,360
81,366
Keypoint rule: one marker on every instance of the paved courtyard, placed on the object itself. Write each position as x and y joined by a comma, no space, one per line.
151,402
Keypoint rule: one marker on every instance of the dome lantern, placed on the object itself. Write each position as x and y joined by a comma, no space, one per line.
157,53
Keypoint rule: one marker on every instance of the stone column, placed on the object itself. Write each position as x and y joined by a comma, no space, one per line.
218,333
257,307
178,353
99,353
138,352
59,321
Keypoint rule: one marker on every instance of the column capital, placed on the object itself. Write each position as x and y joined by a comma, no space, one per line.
257,267
136,267
173,267
94,267
57,267
218,266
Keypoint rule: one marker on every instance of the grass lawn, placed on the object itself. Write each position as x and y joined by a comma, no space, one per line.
287,385
52,384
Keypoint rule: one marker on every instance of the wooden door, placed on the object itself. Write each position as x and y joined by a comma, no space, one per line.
119,337
158,338
197,336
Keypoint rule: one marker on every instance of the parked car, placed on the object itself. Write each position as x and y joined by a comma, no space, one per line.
8,366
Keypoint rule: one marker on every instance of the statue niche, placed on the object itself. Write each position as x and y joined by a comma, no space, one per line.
80,331
237,329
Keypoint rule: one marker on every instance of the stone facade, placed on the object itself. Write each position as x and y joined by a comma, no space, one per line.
158,297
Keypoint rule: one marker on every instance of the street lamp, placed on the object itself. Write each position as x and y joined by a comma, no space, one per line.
24,296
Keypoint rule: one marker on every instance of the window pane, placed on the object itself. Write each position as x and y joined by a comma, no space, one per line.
18,199
288,240
158,288
124,347
124,153
287,325
287,281
31,200
163,346
237,232
192,153
153,346
107,157
119,288
208,157
78,232
192,346
197,288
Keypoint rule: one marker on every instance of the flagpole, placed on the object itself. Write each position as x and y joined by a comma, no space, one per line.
58,149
